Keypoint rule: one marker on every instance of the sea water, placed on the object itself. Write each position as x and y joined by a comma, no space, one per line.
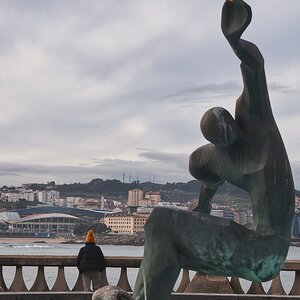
29,273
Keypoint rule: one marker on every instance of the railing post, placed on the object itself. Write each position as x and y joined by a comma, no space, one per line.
123,282
185,281
40,283
18,284
296,286
104,281
78,285
276,287
256,288
60,284
236,285
2,282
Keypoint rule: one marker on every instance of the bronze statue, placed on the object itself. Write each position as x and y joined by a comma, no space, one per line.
246,151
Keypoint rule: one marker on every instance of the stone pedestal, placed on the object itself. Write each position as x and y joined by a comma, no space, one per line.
202,283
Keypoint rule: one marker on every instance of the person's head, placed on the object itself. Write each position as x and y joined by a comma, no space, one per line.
90,237
219,127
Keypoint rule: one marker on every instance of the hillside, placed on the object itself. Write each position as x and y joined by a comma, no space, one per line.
174,192
117,190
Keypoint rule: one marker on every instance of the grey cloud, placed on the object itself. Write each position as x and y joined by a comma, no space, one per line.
283,88
208,92
165,167
178,159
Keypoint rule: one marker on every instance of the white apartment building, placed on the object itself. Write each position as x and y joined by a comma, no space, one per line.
28,195
134,197
102,202
246,217
217,213
60,202
68,201
153,197
42,196
74,201
297,202
13,196
48,197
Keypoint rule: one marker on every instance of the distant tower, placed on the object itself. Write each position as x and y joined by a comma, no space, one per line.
123,176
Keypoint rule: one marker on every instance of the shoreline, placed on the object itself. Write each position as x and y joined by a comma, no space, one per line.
17,240
100,241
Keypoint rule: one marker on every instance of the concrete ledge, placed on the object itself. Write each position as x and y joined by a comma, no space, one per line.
185,296
177,296
46,296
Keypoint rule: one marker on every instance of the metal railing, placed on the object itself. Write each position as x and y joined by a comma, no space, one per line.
122,264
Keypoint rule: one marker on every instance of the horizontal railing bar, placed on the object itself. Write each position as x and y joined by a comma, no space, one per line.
291,265
48,261
111,261
46,295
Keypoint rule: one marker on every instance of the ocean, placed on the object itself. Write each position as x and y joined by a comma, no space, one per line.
29,273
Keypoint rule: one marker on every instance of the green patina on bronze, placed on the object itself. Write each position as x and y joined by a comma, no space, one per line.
246,151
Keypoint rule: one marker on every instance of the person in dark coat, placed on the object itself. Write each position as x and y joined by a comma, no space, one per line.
90,263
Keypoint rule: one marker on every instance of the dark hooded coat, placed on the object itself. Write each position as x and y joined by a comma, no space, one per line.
90,258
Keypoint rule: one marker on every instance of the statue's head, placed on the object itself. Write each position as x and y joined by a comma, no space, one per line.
219,127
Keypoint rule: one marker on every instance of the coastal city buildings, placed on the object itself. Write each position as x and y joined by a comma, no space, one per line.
136,198
69,202
17,194
151,199
119,216
297,203
128,224
242,217
296,226
48,196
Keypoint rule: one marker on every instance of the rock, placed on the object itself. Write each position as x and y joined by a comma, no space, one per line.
111,292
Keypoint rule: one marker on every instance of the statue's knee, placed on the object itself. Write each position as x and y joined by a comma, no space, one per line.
196,163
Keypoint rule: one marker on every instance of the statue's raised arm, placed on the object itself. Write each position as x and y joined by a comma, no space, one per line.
236,16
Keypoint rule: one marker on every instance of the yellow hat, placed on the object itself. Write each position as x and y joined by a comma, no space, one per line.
90,237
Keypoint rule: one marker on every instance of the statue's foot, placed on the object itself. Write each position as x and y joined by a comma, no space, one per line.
236,16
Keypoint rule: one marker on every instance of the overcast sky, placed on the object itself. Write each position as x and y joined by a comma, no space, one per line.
92,89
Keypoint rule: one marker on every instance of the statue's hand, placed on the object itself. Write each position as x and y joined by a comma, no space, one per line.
236,16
